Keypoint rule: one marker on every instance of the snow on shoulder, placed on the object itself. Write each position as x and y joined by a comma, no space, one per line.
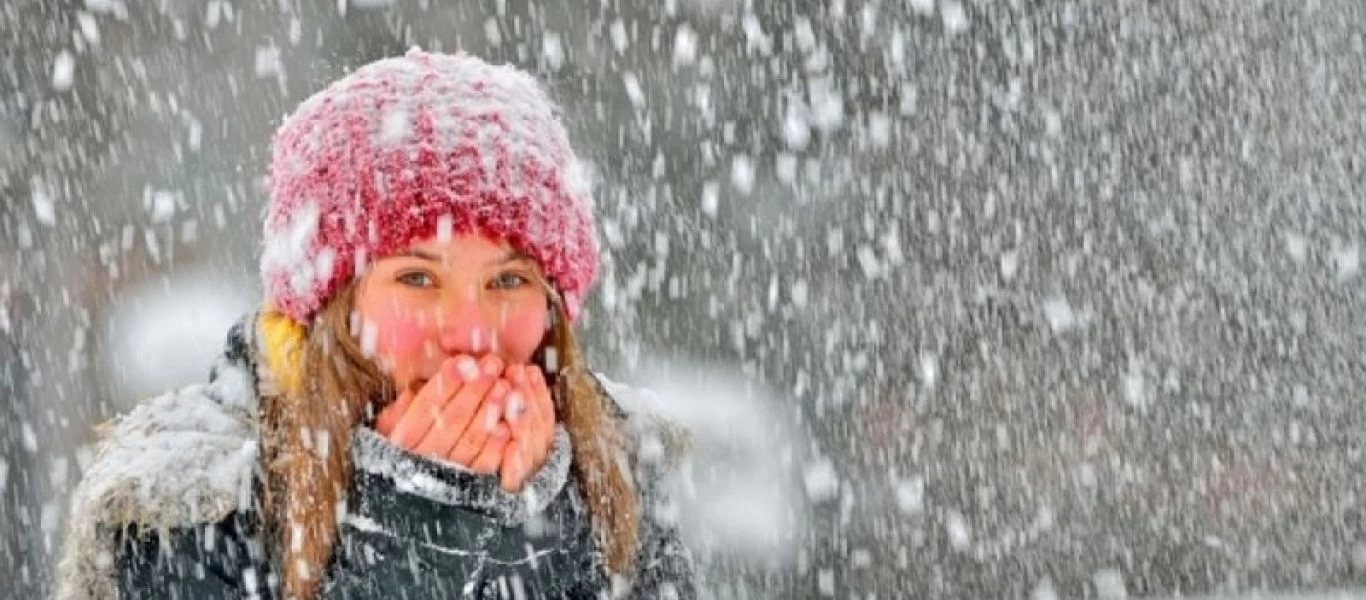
660,439
182,458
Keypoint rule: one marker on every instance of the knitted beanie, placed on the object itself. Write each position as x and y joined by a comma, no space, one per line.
416,146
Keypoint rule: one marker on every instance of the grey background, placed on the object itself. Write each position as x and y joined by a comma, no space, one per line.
1060,294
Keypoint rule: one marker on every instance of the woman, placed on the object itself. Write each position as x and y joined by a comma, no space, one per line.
409,415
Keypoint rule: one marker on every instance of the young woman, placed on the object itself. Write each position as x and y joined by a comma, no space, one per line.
408,416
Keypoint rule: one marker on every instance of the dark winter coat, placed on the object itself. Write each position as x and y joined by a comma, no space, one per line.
168,510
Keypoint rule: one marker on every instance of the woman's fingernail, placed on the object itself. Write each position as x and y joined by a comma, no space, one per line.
515,406
491,366
469,371
499,390
490,420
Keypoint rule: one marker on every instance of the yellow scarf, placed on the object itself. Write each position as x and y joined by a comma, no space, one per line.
281,339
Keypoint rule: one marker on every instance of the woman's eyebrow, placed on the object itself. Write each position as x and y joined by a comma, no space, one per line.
420,253
511,256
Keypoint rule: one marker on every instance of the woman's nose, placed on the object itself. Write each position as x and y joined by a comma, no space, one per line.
465,325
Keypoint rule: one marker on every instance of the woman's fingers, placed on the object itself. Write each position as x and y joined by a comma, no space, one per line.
512,469
468,415
465,448
517,401
512,473
543,409
413,426
534,421
389,417
491,456
520,402
531,423
542,389
454,419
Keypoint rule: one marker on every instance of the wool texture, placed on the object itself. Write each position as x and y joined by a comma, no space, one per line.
417,146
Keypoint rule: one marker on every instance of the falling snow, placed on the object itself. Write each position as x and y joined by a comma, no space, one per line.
910,495
822,482
960,535
1136,386
961,299
923,7
1347,259
1059,314
1110,585
44,209
955,17
63,71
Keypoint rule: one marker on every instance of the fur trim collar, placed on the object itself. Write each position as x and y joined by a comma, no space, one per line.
450,484
186,457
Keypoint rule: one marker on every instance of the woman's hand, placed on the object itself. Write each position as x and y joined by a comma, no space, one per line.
457,416
470,416
531,418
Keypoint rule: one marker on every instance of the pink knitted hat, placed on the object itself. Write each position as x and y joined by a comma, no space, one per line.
411,146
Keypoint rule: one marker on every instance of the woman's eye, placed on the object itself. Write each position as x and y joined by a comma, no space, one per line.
416,279
508,281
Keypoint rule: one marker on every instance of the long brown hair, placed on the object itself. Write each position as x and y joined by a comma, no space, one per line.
321,386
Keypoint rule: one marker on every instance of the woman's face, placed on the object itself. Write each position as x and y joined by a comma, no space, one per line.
466,295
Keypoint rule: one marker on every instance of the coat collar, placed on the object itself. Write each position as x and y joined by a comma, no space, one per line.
447,483
188,456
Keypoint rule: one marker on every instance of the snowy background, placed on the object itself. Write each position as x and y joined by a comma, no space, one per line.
986,298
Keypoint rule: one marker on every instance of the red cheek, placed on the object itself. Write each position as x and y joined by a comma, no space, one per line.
404,337
403,340
520,335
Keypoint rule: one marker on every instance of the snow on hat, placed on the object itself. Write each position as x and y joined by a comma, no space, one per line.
414,146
